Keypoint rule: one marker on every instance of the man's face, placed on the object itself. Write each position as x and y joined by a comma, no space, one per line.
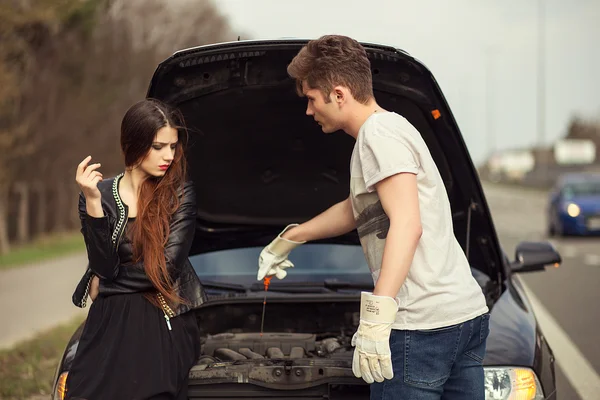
327,115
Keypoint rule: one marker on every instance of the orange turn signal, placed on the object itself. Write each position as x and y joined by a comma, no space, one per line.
61,386
524,385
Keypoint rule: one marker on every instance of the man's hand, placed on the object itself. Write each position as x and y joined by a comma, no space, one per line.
273,259
335,221
372,356
94,287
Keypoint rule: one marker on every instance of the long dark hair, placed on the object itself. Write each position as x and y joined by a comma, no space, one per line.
158,199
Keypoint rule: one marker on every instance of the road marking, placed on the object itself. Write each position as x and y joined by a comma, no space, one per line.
568,252
577,369
591,259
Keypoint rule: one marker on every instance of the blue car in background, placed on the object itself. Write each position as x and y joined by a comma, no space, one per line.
574,205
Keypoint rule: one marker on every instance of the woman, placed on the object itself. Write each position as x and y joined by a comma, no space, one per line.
140,338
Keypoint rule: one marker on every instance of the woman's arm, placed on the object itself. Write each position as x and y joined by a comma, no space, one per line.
102,255
182,230
95,227
94,287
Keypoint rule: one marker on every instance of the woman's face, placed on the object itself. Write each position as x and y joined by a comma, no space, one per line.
161,154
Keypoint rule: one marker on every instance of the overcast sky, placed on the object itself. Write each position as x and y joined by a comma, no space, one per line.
451,38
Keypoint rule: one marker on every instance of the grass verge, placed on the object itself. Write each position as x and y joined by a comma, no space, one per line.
45,248
28,369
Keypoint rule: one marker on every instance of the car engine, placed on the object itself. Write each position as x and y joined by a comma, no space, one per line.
243,346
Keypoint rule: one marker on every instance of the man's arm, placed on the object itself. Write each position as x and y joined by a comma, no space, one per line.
335,221
399,198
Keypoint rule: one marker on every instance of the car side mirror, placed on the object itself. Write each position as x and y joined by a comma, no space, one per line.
534,256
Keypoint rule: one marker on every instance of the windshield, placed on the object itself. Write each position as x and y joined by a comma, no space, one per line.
582,189
312,263
334,266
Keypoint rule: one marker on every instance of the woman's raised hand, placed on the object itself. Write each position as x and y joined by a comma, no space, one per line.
87,178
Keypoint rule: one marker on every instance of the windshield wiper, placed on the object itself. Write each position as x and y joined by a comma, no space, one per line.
303,287
327,285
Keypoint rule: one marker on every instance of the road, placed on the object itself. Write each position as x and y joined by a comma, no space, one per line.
568,295
38,297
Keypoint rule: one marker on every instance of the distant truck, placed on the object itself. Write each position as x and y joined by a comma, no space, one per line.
510,165
574,151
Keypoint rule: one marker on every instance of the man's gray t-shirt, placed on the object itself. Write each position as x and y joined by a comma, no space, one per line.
439,289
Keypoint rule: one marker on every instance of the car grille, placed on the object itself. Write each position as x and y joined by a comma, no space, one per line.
248,391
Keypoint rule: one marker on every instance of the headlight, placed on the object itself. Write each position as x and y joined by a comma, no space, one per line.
573,210
61,387
505,383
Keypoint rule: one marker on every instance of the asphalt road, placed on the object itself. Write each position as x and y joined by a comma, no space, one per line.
568,295
37,297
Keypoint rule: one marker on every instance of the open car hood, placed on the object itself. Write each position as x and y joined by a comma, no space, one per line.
259,163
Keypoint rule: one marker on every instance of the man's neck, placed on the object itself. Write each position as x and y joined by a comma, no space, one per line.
359,115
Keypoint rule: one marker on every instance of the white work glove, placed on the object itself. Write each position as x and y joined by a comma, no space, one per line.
273,258
372,356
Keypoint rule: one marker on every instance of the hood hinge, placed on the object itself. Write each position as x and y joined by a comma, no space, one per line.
472,207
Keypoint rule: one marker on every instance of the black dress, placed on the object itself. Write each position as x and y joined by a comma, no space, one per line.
127,351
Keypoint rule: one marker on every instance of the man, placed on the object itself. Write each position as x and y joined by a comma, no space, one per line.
423,330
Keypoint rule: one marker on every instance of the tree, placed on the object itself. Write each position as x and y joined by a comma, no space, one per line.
68,71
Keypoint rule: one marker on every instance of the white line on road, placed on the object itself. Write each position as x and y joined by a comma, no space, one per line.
577,369
591,259
568,251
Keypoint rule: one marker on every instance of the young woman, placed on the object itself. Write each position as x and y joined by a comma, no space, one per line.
140,338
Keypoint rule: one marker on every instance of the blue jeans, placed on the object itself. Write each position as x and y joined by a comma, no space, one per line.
444,363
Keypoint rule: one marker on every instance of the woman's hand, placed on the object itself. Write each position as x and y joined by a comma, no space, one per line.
87,178
94,288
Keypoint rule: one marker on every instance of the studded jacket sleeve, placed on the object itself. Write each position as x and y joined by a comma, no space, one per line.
182,229
102,255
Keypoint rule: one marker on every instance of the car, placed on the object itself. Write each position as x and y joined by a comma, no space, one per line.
574,205
259,163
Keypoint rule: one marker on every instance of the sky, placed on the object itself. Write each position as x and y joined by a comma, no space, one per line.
462,42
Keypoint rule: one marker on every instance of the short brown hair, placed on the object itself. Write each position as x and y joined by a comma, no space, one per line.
333,60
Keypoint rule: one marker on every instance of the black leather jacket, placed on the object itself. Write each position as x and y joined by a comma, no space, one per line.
103,240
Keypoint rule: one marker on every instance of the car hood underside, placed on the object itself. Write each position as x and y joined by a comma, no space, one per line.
260,163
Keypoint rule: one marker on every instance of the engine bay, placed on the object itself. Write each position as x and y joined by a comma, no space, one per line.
275,345
316,329
305,327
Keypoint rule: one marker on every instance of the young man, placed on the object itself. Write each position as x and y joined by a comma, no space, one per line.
423,330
